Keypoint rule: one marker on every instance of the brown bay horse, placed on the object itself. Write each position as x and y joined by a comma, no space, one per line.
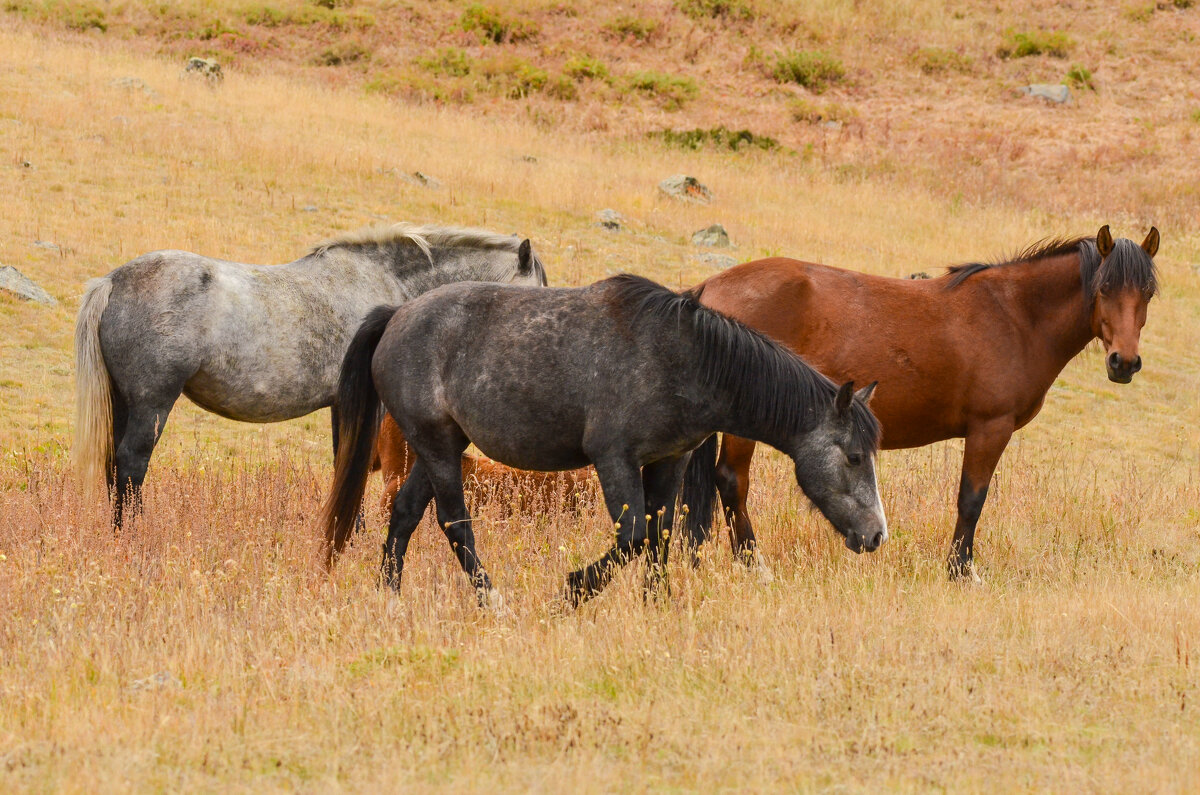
970,354
482,476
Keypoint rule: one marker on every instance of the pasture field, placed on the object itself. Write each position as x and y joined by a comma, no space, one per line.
201,650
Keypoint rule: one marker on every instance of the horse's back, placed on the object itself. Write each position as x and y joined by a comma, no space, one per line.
918,339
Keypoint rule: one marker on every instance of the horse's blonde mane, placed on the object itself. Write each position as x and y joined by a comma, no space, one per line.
423,237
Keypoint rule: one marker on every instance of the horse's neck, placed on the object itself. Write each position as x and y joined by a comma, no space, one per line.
730,415
1049,296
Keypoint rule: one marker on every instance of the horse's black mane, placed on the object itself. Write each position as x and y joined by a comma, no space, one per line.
780,387
1127,266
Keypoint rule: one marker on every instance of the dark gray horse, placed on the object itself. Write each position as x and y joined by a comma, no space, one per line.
248,342
624,375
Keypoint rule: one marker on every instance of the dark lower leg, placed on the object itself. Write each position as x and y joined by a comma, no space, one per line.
407,510
625,500
984,445
733,484
142,430
962,548
661,482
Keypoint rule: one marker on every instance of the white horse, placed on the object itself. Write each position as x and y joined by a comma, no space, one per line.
249,342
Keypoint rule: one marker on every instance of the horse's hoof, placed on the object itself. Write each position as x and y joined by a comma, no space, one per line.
965,573
491,600
765,575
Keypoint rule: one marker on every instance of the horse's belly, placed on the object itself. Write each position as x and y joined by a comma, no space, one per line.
255,400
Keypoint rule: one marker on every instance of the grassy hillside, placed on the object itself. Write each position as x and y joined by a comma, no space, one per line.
200,651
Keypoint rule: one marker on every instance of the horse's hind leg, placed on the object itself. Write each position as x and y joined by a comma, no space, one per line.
624,496
407,509
733,484
661,482
144,425
445,473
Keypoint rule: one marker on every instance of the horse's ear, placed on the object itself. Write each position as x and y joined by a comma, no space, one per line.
841,403
1150,244
525,257
1104,241
866,392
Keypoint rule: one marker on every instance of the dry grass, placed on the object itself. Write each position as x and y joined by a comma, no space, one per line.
1070,669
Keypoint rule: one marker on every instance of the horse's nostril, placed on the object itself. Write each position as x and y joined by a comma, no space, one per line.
876,541
1137,364
1114,360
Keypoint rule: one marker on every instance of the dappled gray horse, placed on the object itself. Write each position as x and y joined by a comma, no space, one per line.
248,342
625,375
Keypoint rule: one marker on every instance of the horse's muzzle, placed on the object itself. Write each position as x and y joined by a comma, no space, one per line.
865,543
1121,370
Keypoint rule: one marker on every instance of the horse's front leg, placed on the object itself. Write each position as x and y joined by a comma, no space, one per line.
624,496
661,482
733,484
984,445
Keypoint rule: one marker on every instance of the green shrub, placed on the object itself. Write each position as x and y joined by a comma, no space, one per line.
720,137
342,53
714,9
213,30
804,111
812,69
1021,44
585,67
1079,76
448,62
671,90
564,88
331,4
937,60
265,16
514,77
627,27
494,25
83,16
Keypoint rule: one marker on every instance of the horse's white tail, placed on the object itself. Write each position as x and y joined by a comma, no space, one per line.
93,450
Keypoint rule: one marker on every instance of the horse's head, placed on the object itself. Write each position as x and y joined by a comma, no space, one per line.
529,270
835,466
1123,285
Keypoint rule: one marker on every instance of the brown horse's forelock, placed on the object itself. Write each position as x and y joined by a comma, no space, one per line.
1127,265
778,386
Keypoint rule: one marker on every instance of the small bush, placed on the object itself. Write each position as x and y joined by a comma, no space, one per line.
627,27
265,16
332,4
936,60
494,25
515,78
83,16
672,91
716,9
720,137
1021,44
1079,76
447,62
1138,12
342,53
1196,115
564,88
585,67
812,69
804,111
213,30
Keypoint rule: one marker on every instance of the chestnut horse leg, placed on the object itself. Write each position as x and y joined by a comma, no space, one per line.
733,484
984,446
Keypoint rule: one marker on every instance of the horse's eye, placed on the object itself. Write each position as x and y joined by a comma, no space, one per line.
854,459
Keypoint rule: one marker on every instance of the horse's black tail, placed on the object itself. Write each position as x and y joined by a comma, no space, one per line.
358,424
699,493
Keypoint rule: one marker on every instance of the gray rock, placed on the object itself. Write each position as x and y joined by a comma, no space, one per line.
1054,93
20,285
714,236
919,275
611,219
424,180
163,680
209,69
310,208
685,188
134,84
46,244
720,261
